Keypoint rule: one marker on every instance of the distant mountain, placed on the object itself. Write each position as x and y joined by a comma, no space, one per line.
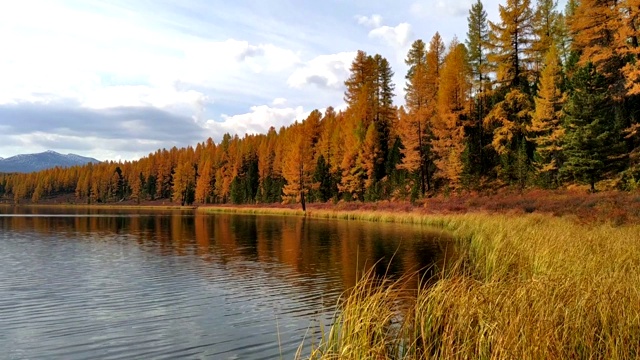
35,162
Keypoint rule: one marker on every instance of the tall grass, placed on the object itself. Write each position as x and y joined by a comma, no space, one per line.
528,287
249,210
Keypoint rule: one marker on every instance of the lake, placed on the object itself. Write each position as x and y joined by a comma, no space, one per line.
122,284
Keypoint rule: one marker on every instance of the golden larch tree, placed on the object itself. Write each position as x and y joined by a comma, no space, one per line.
546,29
593,28
509,120
510,42
453,107
352,182
298,165
546,129
369,156
410,131
360,98
627,44
204,186
412,119
421,97
183,181
434,61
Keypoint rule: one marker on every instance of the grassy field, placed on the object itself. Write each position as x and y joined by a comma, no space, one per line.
524,287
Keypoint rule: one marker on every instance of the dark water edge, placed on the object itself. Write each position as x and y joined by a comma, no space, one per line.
87,283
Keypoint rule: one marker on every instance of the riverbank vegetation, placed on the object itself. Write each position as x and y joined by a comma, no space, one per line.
614,207
526,287
537,98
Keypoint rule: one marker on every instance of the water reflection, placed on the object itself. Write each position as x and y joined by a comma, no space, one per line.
216,283
309,246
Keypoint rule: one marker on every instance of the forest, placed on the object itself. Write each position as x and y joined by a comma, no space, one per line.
543,98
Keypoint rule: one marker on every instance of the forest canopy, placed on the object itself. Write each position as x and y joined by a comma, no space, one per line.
543,97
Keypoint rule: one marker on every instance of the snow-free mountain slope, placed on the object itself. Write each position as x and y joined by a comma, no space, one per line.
40,161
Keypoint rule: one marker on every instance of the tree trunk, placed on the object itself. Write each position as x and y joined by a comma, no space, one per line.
428,177
302,201
481,131
422,160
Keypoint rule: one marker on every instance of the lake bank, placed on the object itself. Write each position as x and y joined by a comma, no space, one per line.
617,208
603,207
111,206
526,287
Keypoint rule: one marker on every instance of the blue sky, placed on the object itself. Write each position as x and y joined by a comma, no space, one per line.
116,80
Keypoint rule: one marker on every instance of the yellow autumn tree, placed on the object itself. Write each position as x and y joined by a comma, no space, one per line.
369,156
593,28
183,182
453,107
412,119
225,171
546,28
204,186
510,42
509,120
352,182
326,145
409,129
135,179
421,97
546,129
360,98
298,165
627,41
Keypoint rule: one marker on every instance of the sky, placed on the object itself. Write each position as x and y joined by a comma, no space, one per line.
118,79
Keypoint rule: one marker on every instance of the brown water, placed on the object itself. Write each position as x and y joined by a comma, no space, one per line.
142,284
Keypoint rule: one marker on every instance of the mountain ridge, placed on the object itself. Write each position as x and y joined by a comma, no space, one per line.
26,163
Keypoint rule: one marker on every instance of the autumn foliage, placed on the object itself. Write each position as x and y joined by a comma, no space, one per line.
539,98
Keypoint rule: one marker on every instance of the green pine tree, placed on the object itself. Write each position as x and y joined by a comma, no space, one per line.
590,141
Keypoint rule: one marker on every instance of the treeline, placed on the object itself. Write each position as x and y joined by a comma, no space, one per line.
541,98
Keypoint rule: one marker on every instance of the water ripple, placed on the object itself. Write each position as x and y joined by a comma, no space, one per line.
76,300
135,285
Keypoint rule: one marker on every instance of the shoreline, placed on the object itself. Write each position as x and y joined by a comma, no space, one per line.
614,207
411,217
104,206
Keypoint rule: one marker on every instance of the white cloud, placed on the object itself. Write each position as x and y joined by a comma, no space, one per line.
257,121
279,101
140,95
207,63
398,36
324,71
47,58
442,8
374,20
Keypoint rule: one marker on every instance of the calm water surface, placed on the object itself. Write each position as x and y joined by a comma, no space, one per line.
114,284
